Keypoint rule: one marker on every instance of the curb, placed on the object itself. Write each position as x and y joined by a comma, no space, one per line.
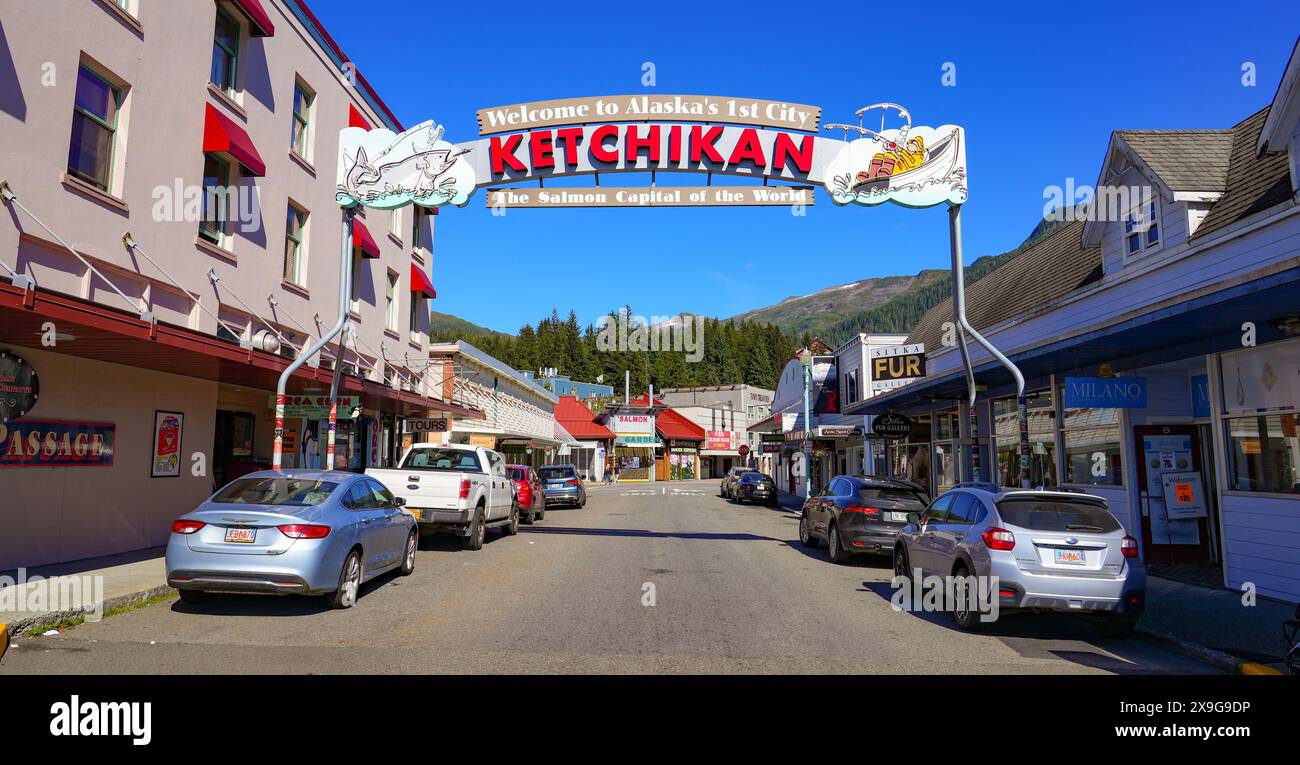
44,620
1218,659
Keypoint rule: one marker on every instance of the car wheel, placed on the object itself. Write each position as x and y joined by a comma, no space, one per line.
477,530
836,553
531,517
408,555
963,615
512,528
901,568
345,596
583,502
191,597
806,537
1118,626
541,511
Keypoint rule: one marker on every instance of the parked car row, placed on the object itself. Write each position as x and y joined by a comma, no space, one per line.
742,484
323,532
1047,550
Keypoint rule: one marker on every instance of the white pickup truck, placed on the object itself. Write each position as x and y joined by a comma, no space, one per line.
454,488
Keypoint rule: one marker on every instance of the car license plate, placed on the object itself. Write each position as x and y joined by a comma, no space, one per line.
242,536
1072,557
897,517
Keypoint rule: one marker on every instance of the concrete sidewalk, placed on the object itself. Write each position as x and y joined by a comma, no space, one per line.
113,581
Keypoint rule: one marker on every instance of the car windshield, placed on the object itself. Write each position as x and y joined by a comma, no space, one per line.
519,474
884,493
443,459
556,473
296,492
1037,514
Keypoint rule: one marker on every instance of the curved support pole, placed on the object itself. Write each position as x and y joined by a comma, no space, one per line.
964,327
345,297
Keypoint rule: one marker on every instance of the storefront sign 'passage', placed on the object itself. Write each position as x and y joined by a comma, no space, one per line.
41,443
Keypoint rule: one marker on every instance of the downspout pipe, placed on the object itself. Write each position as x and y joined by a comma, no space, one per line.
345,298
964,327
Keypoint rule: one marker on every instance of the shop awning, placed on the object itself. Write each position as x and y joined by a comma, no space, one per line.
356,119
420,282
118,337
259,21
223,137
1206,324
362,239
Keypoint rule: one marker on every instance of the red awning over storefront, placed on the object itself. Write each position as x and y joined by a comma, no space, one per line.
361,238
222,136
576,418
259,22
116,337
355,118
420,282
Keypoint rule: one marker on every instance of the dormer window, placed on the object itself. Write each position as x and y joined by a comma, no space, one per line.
1142,229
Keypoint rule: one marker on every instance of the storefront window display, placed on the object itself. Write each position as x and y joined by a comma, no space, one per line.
683,463
1092,447
910,457
945,450
1042,440
1264,453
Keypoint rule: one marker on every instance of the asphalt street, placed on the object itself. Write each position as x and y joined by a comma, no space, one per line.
644,579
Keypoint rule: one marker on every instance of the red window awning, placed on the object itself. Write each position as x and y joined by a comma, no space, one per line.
361,238
222,136
356,119
420,282
259,22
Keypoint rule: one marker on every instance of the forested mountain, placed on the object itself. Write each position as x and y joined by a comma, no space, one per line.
751,348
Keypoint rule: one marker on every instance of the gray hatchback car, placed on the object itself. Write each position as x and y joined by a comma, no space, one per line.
1050,551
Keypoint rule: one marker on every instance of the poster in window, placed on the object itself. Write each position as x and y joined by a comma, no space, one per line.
167,427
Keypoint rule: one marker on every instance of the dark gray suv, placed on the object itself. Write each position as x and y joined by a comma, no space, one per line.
857,514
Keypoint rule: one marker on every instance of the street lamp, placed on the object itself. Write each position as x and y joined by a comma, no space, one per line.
806,358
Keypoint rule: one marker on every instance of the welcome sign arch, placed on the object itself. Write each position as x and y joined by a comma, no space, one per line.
892,161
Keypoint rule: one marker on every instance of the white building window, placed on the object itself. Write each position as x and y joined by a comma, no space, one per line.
1142,229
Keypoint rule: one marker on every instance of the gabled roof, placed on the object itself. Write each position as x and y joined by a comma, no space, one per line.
578,420
671,424
1056,265
1185,160
1254,182
1284,112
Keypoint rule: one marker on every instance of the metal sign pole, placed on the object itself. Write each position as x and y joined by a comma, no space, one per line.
964,328
345,296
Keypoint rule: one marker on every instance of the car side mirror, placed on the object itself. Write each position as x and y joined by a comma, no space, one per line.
399,502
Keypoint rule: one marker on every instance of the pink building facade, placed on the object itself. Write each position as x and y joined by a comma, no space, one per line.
186,152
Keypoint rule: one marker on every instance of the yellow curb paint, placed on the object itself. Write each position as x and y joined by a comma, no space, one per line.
1251,668
4,639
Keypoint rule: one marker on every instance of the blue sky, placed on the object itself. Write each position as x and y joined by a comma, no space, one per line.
1039,88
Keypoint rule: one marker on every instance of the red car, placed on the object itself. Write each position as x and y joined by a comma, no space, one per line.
528,493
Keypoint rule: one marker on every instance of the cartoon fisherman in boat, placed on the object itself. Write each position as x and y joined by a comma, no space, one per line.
895,158
913,166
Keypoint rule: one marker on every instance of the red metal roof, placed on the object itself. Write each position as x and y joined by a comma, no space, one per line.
361,238
575,417
420,282
671,424
222,136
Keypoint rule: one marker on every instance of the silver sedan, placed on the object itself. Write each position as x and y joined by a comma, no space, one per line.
311,532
